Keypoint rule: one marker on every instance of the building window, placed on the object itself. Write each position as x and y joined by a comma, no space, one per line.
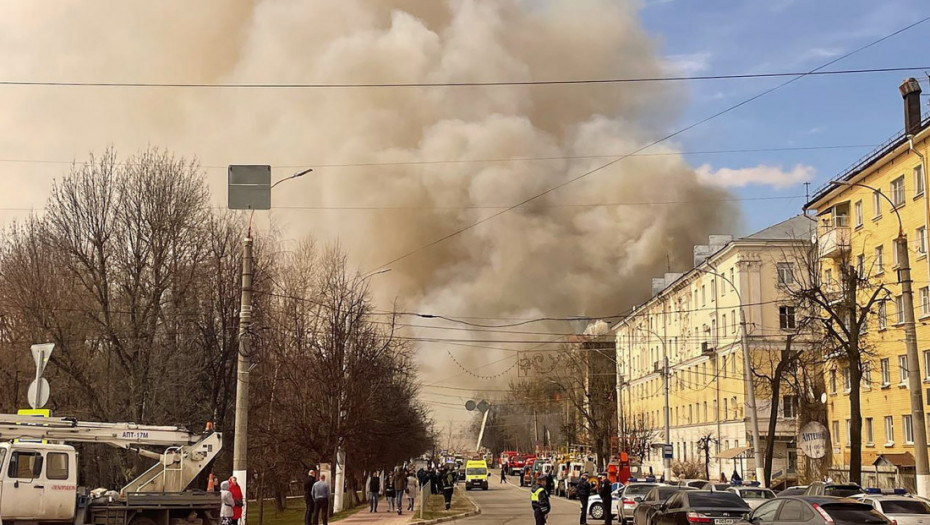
828,278
789,404
785,273
860,265
922,241
733,320
690,414
846,381
705,411
726,413
786,317
886,371
723,369
897,191
713,290
867,431
924,301
832,381
926,365
908,425
735,408
902,368
876,205
899,309
882,315
848,432
867,375
723,324
858,210
733,365
889,431
879,259
894,255
918,180
703,296
836,432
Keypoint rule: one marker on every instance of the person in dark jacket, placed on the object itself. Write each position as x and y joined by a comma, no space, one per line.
400,488
540,500
504,473
448,486
389,493
308,496
550,482
583,490
603,490
374,492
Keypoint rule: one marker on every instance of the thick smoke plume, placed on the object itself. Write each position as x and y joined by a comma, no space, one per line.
556,256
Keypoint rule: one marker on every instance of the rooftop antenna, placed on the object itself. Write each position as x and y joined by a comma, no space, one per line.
807,195
668,262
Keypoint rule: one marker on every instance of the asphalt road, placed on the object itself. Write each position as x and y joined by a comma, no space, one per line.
509,504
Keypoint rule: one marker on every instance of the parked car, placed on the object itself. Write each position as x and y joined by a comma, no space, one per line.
903,508
797,490
816,510
630,496
715,486
693,483
701,507
596,506
643,512
840,490
753,496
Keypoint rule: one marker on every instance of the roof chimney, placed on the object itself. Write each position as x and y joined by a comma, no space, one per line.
910,91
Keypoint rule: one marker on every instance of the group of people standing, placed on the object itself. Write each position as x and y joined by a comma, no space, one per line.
316,499
397,486
231,499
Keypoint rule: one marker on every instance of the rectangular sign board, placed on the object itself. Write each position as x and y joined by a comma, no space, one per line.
249,187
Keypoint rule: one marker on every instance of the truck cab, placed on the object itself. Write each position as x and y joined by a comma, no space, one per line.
38,482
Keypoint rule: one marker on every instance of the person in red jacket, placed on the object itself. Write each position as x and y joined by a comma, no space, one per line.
238,504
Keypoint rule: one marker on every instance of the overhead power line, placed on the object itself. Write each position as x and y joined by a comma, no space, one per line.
649,145
500,83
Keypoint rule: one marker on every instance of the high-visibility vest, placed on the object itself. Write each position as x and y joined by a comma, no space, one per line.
535,496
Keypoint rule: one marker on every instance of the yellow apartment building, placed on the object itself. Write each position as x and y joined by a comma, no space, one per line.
858,226
693,318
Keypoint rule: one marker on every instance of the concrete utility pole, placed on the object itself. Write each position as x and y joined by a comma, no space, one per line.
666,459
918,421
249,189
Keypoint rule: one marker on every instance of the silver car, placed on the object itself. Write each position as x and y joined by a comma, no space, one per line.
630,497
904,509
753,496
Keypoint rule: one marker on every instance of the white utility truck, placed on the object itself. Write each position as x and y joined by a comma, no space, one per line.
39,479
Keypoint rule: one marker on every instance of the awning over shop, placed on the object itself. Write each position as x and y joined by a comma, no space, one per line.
903,459
733,453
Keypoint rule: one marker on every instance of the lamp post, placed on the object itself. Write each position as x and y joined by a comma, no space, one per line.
339,458
747,373
244,364
918,424
666,458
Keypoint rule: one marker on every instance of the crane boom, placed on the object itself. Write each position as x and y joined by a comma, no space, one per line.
186,453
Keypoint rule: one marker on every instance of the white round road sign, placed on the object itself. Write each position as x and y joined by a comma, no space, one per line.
814,440
38,397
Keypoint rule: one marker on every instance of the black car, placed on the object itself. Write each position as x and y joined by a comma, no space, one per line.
816,510
701,507
840,490
793,491
646,509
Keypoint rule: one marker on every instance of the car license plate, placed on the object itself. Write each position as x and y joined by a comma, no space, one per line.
725,521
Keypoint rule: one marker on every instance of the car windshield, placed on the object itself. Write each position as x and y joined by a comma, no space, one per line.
716,499
852,513
842,491
476,472
905,506
757,494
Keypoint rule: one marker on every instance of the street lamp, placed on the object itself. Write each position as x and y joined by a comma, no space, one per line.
338,467
666,457
918,426
747,373
255,196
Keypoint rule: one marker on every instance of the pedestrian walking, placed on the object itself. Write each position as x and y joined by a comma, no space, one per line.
603,491
227,504
238,502
308,496
321,500
448,486
583,490
412,491
389,494
504,473
400,487
374,492
434,481
550,482
539,499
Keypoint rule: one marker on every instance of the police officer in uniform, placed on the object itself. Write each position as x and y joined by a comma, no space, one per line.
540,499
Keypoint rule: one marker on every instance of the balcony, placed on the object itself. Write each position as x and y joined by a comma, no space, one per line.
834,236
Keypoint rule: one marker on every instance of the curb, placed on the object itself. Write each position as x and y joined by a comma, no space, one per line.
475,512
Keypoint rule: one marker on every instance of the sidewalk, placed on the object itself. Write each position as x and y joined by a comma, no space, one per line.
363,517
